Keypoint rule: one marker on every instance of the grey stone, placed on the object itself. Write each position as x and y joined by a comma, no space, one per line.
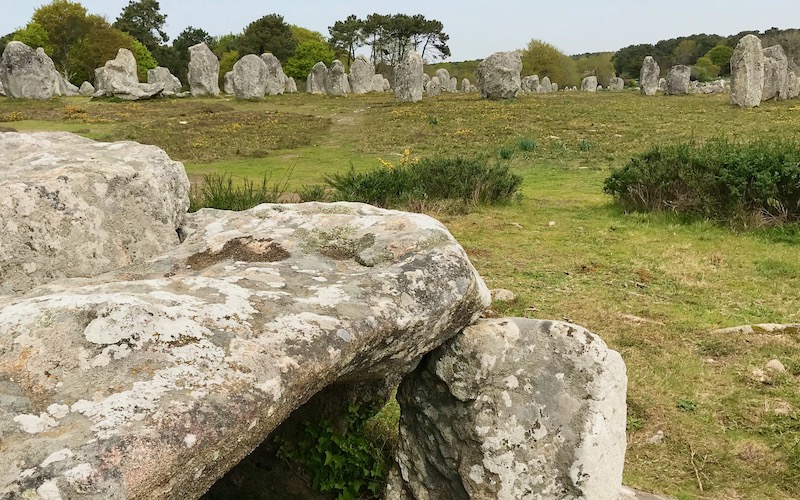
776,74
315,84
203,71
530,84
554,87
662,84
747,72
161,75
64,87
408,78
794,85
498,76
466,86
362,74
387,86
2,92
228,86
452,85
118,78
616,84
291,85
153,381
589,84
86,89
250,77
775,366
276,78
377,83
75,207
336,80
545,87
514,408
26,73
649,77
425,78
444,79
433,87
678,79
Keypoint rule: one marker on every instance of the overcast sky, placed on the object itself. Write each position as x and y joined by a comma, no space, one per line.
476,29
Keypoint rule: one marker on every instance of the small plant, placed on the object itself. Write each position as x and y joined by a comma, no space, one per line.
219,191
14,116
526,144
313,192
505,153
73,112
585,145
687,405
432,120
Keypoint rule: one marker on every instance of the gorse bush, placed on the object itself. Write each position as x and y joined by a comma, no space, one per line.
471,182
719,180
219,191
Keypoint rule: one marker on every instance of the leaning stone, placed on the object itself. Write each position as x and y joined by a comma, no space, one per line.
159,378
747,72
64,87
118,78
514,408
161,75
275,78
678,80
75,207
776,74
649,82
362,73
315,83
408,78
250,77
335,80
203,71
291,85
616,84
27,74
498,76
589,84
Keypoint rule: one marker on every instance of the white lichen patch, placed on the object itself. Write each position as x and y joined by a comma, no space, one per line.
49,491
325,296
57,410
511,382
58,456
273,387
33,424
79,475
190,440
476,473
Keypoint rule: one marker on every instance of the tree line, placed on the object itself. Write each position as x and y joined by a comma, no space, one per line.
78,42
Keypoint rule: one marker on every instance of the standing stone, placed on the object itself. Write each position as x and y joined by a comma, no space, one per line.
434,87
275,78
315,84
662,84
203,71
387,85
452,85
87,89
335,80
362,73
530,84
465,85
510,409
408,78
118,78
291,85
250,77
27,74
616,84
794,86
776,74
747,72
377,83
554,87
678,80
498,76
545,87
444,79
163,76
425,79
589,84
228,86
648,76
2,92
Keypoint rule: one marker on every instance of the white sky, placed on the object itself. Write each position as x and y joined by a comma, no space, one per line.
476,29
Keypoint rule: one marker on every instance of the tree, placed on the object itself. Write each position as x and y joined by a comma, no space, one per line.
268,34
705,69
628,61
432,38
306,56
143,20
721,56
34,35
543,59
347,36
598,65
66,24
685,52
306,35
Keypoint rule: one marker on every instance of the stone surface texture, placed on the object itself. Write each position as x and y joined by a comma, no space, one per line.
444,79
86,89
408,83
154,380
315,84
161,75
649,77
678,79
118,78
530,84
291,85
513,409
26,73
589,84
747,72
362,73
776,74
433,87
203,71
498,76
74,207
616,84
276,78
336,80
249,78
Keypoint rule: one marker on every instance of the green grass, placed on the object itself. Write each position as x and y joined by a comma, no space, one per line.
568,252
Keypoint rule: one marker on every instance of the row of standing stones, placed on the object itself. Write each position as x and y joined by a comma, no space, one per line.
144,350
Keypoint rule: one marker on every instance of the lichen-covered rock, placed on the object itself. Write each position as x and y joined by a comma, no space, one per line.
616,84
444,79
510,409
336,80
776,74
498,76
86,89
678,79
433,87
362,74
2,91
26,73
747,72
118,78
466,86
249,79
153,381
162,76
315,84
227,83
291,86
64,87
589,84
530,84
203,71
276,78
75,207
794,85
545,87
649,81
408,78
377,83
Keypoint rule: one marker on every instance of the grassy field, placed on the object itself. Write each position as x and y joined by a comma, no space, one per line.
653,286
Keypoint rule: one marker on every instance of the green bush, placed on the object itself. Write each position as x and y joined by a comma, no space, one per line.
219,191
719,180
471,182
526,144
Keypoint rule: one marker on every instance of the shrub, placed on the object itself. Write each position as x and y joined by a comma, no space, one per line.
505,153
526,144
218,191
719,180
469,181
